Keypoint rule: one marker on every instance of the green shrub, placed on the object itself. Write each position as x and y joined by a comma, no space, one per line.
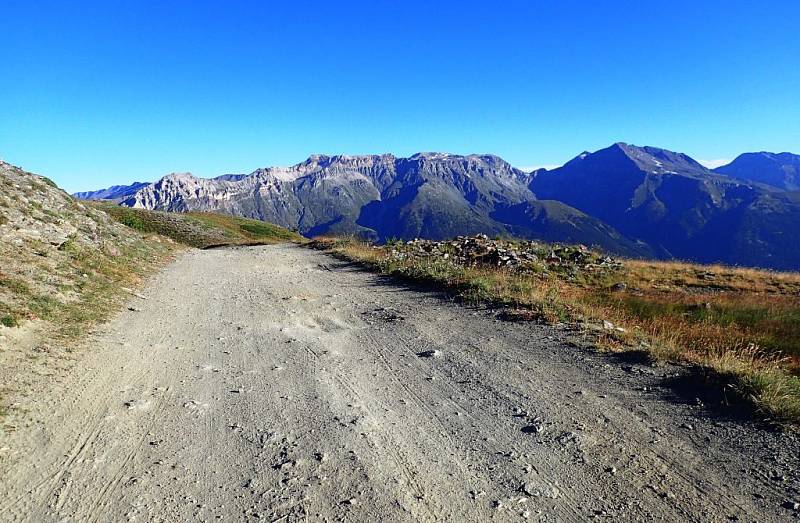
133,221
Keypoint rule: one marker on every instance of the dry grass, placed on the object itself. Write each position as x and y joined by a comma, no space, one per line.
727,306
687,275
744,324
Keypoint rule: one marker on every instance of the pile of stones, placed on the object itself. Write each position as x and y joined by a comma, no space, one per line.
480,250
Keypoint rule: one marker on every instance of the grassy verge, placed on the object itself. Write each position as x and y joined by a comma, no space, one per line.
741,324
199,229
78,284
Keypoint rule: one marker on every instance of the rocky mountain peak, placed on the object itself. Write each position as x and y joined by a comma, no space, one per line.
470,162
432,155
179,177
778,170
324,161
652,160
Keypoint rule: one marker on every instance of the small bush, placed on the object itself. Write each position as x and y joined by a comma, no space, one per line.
479,289
49,182
71,247
134,222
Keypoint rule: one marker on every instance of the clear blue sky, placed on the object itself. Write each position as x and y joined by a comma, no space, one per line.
97,93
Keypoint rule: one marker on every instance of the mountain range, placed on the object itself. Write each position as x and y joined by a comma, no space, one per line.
114,193
629,200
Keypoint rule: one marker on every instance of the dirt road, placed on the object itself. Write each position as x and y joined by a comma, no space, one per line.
278,384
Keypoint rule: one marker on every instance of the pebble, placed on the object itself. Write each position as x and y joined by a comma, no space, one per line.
532,429
791,505
536,491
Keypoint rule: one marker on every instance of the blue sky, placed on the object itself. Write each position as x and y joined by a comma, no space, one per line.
98,93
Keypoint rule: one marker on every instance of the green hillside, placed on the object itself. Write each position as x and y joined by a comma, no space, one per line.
201,229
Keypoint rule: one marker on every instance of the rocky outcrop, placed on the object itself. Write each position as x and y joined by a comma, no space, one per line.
34,211
56,250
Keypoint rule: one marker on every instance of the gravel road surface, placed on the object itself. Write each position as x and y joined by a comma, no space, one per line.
279,384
